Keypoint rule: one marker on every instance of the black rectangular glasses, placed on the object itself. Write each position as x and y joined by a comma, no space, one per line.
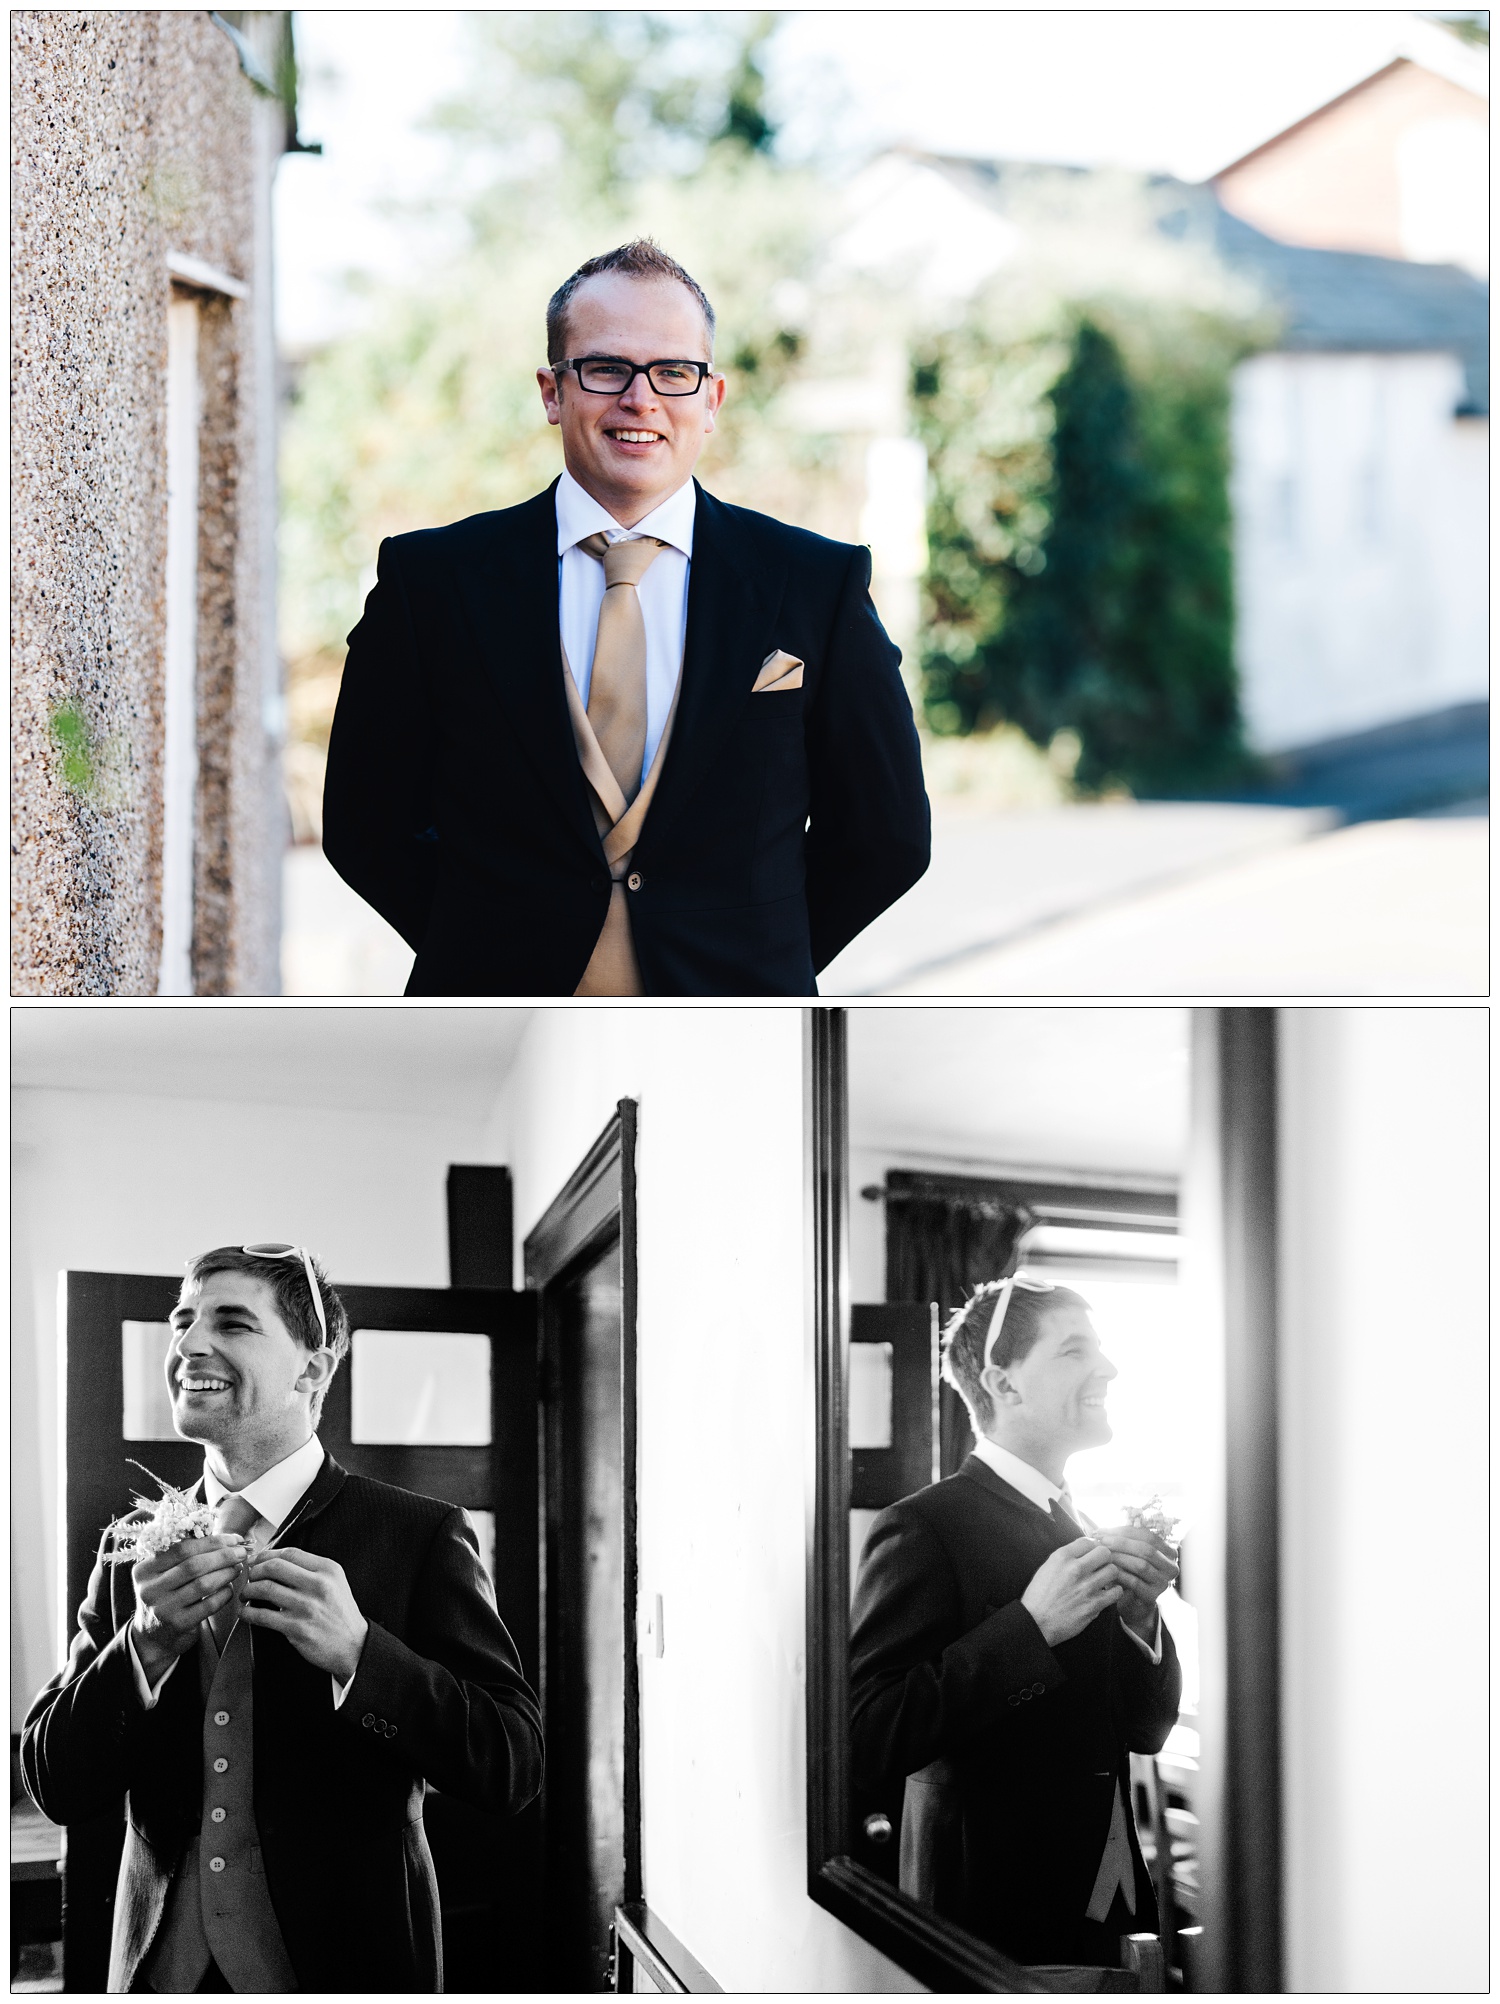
612,375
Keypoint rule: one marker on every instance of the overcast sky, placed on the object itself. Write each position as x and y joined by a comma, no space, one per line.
1183,92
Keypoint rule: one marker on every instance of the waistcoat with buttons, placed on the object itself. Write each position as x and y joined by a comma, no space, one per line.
219,1904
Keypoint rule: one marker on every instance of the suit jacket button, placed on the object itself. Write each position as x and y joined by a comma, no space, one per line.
380,1725
217,1815
1012,1699
390,1732
221,1718
1038,1690
633,881
368,1719
221,1766
216,1864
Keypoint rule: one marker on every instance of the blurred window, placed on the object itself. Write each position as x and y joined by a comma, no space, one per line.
418,1389
148,1404
871,1389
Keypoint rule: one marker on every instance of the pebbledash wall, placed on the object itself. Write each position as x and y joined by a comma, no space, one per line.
143,150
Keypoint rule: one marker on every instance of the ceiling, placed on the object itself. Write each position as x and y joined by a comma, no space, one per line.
407,1059
1078,1088
1062,1088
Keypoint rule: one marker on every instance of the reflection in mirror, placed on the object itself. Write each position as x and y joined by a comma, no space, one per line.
147,1405
870,1388
1023,1681
419,1389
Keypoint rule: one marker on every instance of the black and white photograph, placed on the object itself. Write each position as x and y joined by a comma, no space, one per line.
749,1018
751,1499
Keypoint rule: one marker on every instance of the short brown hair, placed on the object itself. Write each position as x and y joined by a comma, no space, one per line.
287,1280
642,258
968,1329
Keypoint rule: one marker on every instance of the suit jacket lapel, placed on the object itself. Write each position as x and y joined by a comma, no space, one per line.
729,609
1035,1521
511,603
326,1484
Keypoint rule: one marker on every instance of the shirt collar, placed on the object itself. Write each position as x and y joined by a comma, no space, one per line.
1020,1474
278,1492
580,515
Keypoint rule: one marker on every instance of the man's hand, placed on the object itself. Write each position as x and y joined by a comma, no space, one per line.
175,1591
1146,1568
307,1599
1069,1589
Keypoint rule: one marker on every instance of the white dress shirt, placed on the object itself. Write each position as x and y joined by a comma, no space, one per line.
663,592
275,1495
1036,1488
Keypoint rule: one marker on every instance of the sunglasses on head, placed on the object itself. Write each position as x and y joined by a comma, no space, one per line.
1008,1287
277,1251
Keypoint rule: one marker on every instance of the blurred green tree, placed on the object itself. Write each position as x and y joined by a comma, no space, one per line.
1080,574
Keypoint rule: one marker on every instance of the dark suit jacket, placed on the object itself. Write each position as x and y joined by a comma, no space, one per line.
948,1667
439,1696
782,822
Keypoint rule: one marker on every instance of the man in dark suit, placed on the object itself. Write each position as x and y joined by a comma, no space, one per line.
500,785
1005,1664
272,1698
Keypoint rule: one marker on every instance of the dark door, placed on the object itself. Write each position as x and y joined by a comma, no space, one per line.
581,1259
488,1868
586,1603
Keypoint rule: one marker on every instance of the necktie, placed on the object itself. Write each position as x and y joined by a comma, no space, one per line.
1061,1508
617,681
233,1514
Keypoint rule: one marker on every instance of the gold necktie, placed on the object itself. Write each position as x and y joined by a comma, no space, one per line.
234,1514
617,682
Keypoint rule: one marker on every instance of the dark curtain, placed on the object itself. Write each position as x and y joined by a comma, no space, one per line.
943,1236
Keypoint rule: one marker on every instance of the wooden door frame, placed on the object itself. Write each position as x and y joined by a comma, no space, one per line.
1230,1223
597,1201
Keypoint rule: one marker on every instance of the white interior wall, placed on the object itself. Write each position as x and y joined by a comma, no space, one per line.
1384,1492
723,1443
130,1184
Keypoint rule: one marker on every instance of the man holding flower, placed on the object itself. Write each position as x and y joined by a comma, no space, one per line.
1006,1658
274,1690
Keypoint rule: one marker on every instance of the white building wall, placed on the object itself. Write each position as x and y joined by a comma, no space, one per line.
118,1183
1361,532
724,1427
1384,1399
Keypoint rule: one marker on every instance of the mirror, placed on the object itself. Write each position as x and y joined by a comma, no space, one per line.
955,1749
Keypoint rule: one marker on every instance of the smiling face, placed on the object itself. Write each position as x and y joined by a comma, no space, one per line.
633,450
1051,1402
238,1379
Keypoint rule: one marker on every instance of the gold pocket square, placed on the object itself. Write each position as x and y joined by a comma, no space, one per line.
778,671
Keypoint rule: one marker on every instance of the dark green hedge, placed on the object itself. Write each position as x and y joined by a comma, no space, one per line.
1080,572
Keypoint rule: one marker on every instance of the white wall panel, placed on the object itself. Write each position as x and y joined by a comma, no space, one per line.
723,1433
1384,1402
